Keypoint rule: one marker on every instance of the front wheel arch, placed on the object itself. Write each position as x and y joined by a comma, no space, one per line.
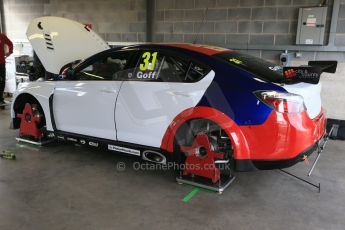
19,104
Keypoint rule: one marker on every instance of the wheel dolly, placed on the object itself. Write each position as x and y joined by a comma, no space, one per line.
223,183
29,131
200,168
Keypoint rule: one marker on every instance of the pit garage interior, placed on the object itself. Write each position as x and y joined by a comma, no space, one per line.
68,186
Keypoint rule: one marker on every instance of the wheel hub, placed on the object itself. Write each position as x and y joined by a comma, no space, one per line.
201,151
28,117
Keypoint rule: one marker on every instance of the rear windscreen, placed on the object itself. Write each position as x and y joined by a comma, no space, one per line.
262,69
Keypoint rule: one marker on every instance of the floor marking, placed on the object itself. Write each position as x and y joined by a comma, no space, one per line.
191,194
202,189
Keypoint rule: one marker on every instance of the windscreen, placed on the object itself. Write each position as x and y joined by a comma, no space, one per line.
262,69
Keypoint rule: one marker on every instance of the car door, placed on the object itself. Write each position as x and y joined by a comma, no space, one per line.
161,87
85,104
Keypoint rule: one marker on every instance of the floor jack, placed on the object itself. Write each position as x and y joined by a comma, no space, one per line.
29,131
320,147
201,168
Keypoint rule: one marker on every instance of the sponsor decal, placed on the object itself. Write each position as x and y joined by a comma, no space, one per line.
308,74
149,75
236,61
83,142
275,68
290,73
51,135
72,139
93,144
61,137
302,72
124,150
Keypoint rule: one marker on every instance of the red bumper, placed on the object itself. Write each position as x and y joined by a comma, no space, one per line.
282,136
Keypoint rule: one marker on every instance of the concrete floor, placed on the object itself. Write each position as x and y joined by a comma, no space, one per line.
70,187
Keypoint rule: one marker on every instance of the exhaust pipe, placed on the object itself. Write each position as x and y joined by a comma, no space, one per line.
154,156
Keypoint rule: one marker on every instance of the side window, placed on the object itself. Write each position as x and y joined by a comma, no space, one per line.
156,66
173,69
196,72
111,67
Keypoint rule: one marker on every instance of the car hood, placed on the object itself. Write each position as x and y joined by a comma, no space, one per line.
60,41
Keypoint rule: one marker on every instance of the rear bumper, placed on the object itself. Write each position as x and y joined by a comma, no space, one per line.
282,141
252,165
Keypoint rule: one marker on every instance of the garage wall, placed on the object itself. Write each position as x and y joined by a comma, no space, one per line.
228,23
116,20
18,14
239,23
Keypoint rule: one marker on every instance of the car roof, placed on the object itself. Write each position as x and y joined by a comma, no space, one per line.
203,49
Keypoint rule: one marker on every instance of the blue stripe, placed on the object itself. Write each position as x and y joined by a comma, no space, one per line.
232,92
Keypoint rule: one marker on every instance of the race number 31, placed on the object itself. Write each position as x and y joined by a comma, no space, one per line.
146,65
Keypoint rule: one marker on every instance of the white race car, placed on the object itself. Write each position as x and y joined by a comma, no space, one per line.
191,103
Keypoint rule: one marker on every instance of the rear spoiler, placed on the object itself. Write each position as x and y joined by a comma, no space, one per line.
309,74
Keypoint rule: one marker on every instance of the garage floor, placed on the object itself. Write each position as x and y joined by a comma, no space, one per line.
70,187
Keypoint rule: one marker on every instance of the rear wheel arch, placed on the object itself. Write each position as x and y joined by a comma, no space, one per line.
232,130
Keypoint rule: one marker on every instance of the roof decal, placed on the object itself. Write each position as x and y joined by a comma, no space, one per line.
205,49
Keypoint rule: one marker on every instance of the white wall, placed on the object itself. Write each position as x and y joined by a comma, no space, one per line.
333,93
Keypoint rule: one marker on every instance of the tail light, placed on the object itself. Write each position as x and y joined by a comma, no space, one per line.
282,102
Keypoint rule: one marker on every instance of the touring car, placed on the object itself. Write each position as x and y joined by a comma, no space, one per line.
193,104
